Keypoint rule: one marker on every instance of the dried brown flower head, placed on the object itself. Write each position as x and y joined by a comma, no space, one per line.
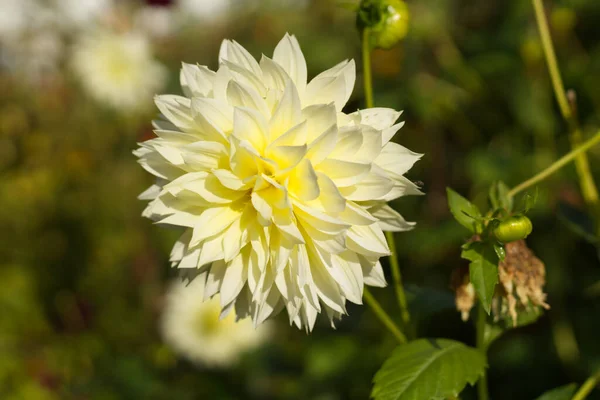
522,277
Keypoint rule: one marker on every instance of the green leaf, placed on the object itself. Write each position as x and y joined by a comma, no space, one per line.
493,330
428,369
528,201
560,393
500,251
499,196
483,270
465,212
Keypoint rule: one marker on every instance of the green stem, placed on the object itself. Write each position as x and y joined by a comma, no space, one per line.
586,181
397,279
482,388
558,164
383,316
367,76
587,387
396,275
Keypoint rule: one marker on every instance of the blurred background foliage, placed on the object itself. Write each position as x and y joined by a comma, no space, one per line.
84,275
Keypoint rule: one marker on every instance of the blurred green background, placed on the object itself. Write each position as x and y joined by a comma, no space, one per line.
84,275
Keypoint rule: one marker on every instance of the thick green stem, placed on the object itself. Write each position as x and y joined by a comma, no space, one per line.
586,181
587,387
558,164
383,316
482,388
395,267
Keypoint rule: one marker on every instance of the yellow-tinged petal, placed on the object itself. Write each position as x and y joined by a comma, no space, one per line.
287,114
250,125
234,279
213,221
282,196
344,173
304,182
240,95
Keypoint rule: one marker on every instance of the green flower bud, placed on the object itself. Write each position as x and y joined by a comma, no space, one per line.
387,21
513,228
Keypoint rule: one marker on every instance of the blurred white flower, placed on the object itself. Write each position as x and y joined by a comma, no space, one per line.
14,15
192,326
79,13
155,21
281,194
118,69
205,9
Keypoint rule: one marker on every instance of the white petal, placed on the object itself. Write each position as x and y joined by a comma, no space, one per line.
214,279
212,222
250,125
344,173
304,181
235,278
335,84
235,53
397,159
287,114
289,55
196,80
378,117
390,220
388,133
273,74
367,240
374,186
372,272
320,118
240,95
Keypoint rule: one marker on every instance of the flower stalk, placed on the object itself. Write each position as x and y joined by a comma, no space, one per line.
587,387
482,387
558,164
395,267
384,317
588,187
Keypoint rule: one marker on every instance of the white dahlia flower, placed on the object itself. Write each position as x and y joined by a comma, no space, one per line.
281,194
195,329
118,69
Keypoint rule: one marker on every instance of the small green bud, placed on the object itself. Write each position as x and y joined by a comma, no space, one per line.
387,21
513,228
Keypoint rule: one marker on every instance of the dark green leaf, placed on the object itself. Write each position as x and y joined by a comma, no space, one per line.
465,212
560,393
493,330
483,270
499,196
431,369
500,251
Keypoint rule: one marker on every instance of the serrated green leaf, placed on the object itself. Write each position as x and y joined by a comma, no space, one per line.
428,369
499,196
465,212
483,271
560,393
